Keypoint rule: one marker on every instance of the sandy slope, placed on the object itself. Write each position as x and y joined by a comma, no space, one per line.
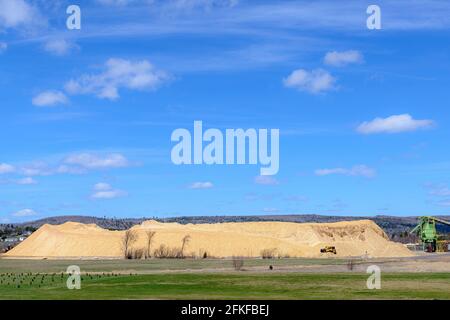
354,238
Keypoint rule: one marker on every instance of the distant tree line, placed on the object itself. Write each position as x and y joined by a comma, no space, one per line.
10,230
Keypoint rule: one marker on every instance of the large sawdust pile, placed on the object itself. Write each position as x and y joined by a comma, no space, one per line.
248,239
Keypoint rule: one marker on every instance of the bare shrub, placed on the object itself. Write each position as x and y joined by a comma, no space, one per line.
175,253
165,252
238,263
184,242
269,253
161,252
283,256
128,239
150,235
138,254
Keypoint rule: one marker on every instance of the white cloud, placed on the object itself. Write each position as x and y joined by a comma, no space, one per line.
201,185
3,47
281,18
266,180
359,170
59,47
93,161
49,99
6,168
26,181
111,194
63,168
106,191
394,124
45,169
36,169
14,13
102,186
442,192
78,163
271,210
445,203
118,73
25,213
296,198
315,81
343,58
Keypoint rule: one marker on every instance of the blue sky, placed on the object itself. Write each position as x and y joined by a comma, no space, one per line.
87,114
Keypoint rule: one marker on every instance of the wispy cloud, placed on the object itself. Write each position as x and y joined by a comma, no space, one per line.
271,210
21,181
19,13
49,99
94,161
25,213
284,17
77,163
119,73
201,185
440,194
441,191
36,169
104,190
115,2
358,170
270,29
266,180
59,47
343,58
26,181
253,196
3,47
394,124
6,168
314,81
444,203
260,23
296,198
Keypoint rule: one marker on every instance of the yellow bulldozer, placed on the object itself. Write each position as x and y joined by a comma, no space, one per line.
328,249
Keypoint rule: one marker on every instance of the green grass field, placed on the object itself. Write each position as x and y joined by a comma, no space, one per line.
238,285
139,266
212,279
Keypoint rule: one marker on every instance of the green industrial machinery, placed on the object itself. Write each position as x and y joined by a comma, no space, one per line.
426,230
